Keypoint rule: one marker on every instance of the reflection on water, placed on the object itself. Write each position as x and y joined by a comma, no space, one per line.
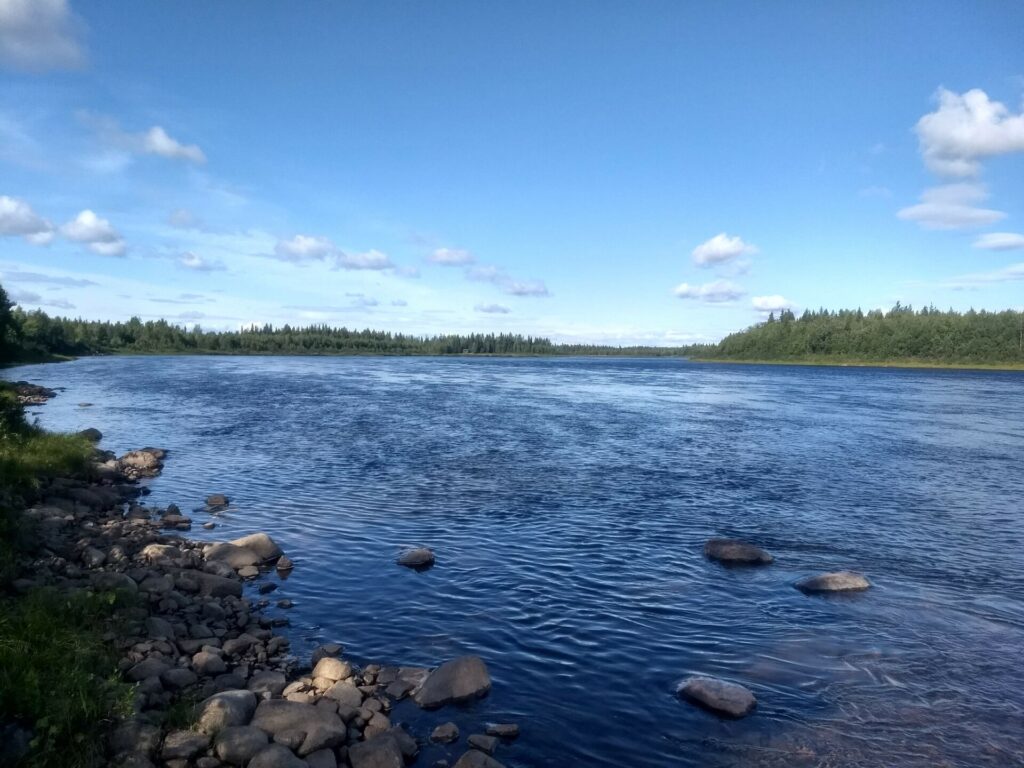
568,501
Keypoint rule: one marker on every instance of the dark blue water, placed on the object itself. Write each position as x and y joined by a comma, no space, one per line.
568,501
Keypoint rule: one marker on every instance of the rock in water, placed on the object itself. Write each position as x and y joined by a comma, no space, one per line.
421,557
457,680
736,551
445,733
91,434
719,695
217,500
260,543
837,581
475,759
381,752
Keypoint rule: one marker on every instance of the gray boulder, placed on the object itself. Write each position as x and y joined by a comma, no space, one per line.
184,745
232,554
260,543
445,733
239,744
276,756
382,752
225,710
421,557
457,680
720,696
837,581
736,551
475,759
216,500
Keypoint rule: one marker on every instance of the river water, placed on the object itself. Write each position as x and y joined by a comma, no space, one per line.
568,501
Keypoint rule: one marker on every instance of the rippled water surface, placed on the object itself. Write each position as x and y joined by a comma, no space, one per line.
568,501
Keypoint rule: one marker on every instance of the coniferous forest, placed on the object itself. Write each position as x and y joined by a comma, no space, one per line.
900,336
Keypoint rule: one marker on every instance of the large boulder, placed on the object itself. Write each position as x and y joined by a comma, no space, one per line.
381,752
475,759
720,696
184,745
276,756
419,558
456,680
238,744
836,581
736,551
260,543
232,554
321,726
225,710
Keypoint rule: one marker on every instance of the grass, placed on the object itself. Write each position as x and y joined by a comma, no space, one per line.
58,676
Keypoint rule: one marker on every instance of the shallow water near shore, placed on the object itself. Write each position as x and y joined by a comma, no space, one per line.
568,501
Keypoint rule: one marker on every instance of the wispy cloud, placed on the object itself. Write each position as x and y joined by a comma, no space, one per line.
39,35
17,276
451,257
488,273
1011,273
1000,241
18,219
717,292
492,309
152,141
197,263
951,206
30,297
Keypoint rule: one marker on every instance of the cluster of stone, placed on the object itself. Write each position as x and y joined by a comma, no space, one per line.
191,635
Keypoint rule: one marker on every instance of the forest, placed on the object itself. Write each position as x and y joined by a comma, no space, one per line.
927,336
902,335
33,336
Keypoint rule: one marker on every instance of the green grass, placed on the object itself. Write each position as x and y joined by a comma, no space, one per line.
58,676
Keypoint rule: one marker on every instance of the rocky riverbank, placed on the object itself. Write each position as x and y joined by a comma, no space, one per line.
193,639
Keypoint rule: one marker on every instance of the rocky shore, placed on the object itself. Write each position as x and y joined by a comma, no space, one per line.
193,638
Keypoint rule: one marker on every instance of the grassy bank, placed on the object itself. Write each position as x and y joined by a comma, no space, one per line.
58,688
829,362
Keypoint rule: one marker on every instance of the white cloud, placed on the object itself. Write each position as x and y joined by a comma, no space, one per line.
98,234
451,257
965,129
371,259
39,35
718,292
1006,274
488,273
304,248
492,309
194,261
950,206
18,218
1000,241
773,303
721,248
155,141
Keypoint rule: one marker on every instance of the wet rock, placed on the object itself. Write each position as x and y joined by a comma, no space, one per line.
720,696
209,525
232,554
216,500
503,730
184,745
260,543
284,563
382,752
211,585
456,680
445,733
406,743
484,743
736,551
837,581
226,709
239,744
418,558
249,572
91,433
476,759
276,756
332,669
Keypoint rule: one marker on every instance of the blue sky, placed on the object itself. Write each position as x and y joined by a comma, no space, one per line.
655,172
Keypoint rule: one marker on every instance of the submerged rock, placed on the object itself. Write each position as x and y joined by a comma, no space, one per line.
836,581
475,759
721,696
421,557
736,551
217,500
445,733
456,680
503,730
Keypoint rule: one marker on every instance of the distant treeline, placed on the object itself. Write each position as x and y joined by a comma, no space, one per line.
37,336
925,336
